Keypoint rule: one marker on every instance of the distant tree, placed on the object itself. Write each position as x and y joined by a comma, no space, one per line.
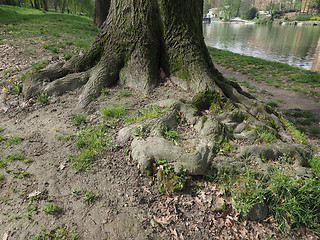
252,13
44,4
230,8
318,6
245,6
101,9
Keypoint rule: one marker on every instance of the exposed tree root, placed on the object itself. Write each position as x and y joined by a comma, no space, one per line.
235,132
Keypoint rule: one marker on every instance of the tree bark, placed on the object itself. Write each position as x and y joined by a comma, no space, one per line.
101,9
137,39
45,5
36,4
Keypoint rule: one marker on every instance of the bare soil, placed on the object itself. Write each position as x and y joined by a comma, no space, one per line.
129,206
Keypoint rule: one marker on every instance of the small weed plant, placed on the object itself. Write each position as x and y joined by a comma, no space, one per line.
170,134
140,131
113,112
40,64
50,208
89,197
124,93
42,99
78,119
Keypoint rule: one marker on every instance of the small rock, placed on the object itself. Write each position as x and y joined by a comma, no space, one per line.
219,205
259,211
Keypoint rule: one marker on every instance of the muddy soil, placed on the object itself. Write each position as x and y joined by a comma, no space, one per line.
128,205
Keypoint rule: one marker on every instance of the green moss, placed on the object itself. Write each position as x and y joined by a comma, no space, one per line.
269,121
204,100
169,182
267,135
149,169
248,128
204,119
223,105
176,66
239,116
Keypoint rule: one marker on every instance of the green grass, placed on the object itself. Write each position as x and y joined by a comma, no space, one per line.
62,232
42,99
305,121
78,119
124,93
14,140
272,104
50,208
273,73
89,197
114,111
170,134
45,29
293,201
91,142
145,113
15,156
40,64
266,135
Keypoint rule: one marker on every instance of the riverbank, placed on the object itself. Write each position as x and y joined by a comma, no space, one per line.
266,21
272,73
297,23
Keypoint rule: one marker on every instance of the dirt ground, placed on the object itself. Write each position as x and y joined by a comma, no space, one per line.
128,206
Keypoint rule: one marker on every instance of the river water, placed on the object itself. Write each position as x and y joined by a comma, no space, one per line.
295,45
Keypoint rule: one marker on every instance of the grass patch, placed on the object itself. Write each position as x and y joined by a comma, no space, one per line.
42,99
145,113
293,201
62,232
91,142
124,93
36,27
272,104
266,135
14,140
78,119
40,64
170,133
50,208
89,197
112,112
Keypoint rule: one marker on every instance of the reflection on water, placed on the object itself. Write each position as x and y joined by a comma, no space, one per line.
316,60
296,45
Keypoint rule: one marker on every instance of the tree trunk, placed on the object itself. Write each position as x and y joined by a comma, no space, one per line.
63,7
138,39
45,5
101,9
36,4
